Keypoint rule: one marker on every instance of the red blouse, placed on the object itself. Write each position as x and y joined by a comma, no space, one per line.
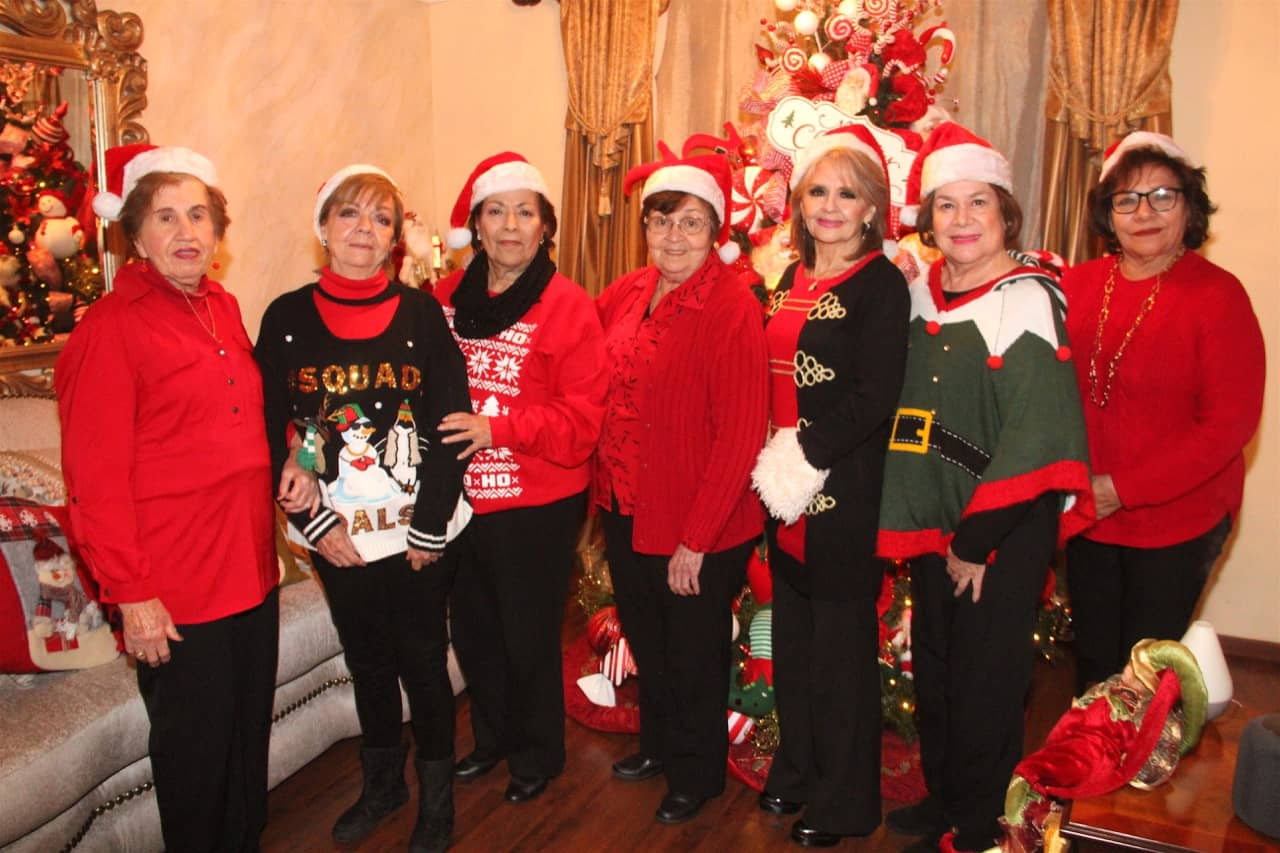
164,449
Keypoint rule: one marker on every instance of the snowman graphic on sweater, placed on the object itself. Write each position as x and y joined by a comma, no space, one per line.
360,478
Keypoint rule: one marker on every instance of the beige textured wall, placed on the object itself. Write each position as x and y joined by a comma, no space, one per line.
1224,72
280,94
497,84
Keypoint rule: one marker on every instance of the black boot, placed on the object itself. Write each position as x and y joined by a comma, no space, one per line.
435,806
384,792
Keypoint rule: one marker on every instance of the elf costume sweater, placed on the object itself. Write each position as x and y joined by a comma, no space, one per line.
375,404
541,382
989,415
1185,399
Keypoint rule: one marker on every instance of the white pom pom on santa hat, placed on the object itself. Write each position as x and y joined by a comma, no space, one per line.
501,173
128,164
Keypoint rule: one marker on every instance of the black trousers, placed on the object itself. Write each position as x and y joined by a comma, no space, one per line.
508,606
1120,595
210,712
393,627
826,679
683,650
972,665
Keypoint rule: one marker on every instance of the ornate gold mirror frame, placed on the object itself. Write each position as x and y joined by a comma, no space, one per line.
94,53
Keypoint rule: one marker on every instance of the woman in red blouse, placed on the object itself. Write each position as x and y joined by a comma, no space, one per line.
169,484
686,414
1171,373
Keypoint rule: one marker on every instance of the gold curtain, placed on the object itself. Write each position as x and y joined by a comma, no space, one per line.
608,50
1108,75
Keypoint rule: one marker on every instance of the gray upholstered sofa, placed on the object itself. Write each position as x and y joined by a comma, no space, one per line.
74,771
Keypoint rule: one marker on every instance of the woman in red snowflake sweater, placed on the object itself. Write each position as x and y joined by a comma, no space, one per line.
535,362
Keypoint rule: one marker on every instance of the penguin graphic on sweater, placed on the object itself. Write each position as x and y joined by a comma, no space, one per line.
401,453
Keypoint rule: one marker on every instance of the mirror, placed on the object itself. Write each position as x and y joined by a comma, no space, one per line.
71,85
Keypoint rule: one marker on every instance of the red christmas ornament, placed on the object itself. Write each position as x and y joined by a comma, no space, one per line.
603,629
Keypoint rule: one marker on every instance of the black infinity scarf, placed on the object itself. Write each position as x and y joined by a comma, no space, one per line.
479,315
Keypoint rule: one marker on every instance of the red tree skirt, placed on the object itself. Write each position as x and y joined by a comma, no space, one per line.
900,775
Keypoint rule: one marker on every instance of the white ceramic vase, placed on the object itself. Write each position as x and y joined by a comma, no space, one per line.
1202,640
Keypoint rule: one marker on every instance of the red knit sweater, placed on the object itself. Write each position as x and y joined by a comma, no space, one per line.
541,382
704,405
1186,397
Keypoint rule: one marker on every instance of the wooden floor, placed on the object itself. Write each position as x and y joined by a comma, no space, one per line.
585,809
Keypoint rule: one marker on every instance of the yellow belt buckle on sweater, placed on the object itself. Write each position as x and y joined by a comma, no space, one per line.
922,433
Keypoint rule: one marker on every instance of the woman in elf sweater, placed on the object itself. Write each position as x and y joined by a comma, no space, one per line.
687,414
986,469
535,361
358,372
837,337
1172,388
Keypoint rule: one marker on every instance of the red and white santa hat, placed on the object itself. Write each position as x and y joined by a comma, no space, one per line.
128,164
501,173
1141,139
334,181
706,176
953,153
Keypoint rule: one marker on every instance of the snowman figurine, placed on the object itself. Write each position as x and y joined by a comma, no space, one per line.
59,234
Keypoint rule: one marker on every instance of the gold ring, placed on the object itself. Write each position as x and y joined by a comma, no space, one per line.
140,654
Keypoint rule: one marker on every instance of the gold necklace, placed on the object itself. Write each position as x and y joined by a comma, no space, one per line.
212,329
1103,313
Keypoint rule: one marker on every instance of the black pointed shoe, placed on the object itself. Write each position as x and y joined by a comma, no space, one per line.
677,808
777,805
524,788
807,836
637,768
473,767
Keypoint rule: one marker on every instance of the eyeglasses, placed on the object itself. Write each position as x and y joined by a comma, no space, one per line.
689,225
1160,199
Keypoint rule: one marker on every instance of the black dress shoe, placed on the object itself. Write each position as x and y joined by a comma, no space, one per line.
677,808
636,768
777,805
523,788
807,836
473,767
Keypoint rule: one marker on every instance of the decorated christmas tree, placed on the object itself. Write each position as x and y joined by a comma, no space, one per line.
48,268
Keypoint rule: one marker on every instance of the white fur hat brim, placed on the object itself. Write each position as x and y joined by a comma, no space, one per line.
1142,139
335,180
687,179
965,162
508,177
828,142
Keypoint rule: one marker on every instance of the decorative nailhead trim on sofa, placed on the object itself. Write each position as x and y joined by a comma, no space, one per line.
138,791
